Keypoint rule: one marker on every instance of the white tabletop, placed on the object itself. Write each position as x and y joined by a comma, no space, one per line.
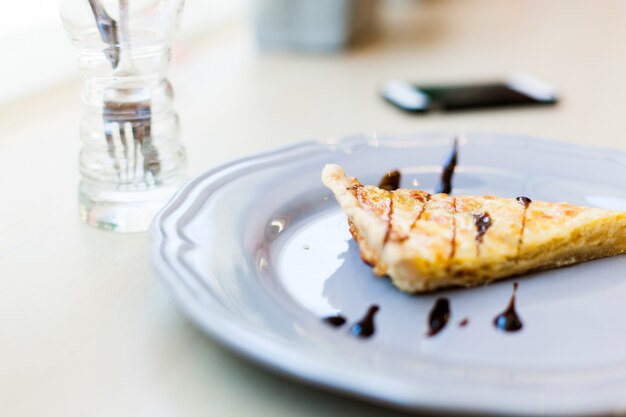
88,330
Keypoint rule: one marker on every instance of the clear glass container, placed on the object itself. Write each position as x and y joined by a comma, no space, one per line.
131,161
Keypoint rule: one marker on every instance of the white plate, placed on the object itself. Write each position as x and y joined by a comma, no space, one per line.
257,251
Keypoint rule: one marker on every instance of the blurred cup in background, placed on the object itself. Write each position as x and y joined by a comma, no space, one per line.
313,25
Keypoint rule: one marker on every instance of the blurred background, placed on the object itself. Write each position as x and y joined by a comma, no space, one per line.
294,69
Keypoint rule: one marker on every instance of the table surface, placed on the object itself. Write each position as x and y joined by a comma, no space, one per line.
88,330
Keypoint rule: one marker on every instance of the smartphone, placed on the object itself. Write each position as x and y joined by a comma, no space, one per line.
517,90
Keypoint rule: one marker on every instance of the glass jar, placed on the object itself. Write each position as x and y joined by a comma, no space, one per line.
131,161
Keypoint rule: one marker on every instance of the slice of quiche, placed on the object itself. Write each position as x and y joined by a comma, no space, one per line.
425,242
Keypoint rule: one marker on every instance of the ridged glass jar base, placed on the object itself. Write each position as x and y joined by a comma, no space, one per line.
122,211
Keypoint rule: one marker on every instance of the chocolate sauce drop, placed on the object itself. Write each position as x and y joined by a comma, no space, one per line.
391,181
508,320
445,183
464,322
438,317
365,327
524,201
335,321
482,222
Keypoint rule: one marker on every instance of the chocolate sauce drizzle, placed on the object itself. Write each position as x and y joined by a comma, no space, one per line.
365,327
389,221
508,320
438,317
524,201
482,222
356,186
464,322
422,210
445,183
335,321
453,249
391,181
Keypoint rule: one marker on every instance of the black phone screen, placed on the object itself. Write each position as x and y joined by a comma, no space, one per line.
424,98
476,96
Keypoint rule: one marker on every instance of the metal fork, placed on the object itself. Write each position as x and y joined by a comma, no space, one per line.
127,122
128,126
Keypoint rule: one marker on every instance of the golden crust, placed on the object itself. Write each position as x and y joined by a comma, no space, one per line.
425,242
